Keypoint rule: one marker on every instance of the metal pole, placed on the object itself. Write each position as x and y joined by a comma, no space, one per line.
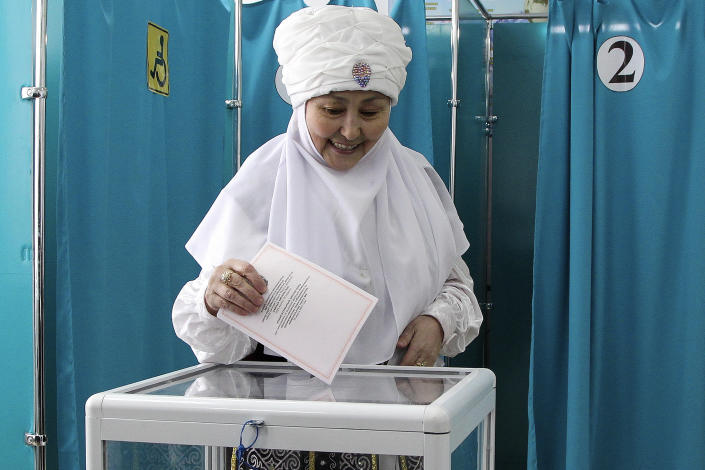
237,85
37,92
481,8
238,66
499,16
490,120
439,19
520,16
454,102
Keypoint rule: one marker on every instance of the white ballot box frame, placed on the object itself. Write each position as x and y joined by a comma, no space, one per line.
433,430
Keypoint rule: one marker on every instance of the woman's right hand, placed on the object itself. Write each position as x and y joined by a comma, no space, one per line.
236,286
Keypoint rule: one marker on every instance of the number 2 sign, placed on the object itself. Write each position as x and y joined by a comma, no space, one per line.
620,63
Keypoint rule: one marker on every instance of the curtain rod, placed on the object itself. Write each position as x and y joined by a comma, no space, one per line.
499,16
38,92
236,101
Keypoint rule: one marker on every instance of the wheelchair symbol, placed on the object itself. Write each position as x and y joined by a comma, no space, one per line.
159,62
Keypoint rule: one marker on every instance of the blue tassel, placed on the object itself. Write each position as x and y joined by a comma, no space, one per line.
241,449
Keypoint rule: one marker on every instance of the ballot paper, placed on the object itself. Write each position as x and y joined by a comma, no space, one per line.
309,315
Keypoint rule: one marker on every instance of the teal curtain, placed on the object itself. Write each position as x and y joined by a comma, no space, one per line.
265,114
136,172
439,66
411,117
16,308
618,351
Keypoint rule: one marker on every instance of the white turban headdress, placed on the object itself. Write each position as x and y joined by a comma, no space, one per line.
339,48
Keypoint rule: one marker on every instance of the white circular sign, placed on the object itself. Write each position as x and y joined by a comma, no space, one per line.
620,63
316,3
281,89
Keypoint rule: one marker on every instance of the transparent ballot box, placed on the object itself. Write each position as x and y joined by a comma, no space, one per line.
370,417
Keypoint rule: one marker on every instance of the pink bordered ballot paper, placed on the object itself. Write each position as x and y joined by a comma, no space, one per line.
309,315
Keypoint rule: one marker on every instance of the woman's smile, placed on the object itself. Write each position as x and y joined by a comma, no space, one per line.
345,125
342,147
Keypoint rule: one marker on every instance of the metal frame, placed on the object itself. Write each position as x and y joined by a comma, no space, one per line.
38,92
489,120
134,413
453,103
236,102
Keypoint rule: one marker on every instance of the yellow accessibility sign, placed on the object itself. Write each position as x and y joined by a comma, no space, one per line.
157,59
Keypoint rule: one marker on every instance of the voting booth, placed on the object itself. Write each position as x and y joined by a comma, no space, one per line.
385,411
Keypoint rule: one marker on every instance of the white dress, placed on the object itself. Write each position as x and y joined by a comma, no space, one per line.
387,225
213,340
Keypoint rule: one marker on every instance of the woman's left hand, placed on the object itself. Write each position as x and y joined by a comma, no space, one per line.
423,338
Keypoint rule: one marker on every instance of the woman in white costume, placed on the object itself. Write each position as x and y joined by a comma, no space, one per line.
340,190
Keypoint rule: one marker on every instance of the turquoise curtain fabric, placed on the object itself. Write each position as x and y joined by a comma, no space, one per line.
136,172
411,117
439,66
265,114
16,233
618,353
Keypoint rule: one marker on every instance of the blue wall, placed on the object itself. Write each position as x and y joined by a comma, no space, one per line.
16,417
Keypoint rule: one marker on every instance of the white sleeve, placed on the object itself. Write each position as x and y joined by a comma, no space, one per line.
457,310
210,338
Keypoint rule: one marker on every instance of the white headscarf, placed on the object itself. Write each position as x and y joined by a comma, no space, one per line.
338,48
387,225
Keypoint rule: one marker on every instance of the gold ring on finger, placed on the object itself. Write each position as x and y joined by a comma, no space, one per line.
421,363
226,276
